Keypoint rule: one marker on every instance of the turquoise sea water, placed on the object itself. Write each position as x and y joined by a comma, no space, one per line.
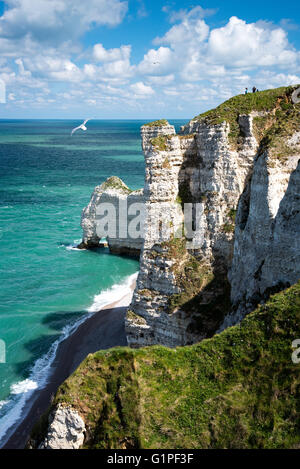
46,178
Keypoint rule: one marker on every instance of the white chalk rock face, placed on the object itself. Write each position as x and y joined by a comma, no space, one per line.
115,192
66,430
267,239
260,249
197,166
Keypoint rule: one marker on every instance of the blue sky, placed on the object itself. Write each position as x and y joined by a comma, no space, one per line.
141,58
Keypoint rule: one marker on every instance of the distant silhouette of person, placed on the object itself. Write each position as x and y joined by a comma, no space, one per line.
246,91
254,89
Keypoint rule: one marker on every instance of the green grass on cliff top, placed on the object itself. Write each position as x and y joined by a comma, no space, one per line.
158,123
282,120
114,182
239,389
266,100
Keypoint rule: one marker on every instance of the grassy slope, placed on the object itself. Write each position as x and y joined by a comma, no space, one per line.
239,389
283,118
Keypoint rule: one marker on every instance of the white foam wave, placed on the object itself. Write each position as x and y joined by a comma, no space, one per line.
113,294
40,372
73,246
23,386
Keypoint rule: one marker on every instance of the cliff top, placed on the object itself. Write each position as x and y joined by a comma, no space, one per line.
114,182
158,123
239,389
261,101
276,120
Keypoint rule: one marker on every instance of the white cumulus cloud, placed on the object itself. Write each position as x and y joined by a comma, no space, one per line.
246,45
141,90
190,66
190,29
111,55
57,20
157,62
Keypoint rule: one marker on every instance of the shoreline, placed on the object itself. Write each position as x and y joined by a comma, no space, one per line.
103,330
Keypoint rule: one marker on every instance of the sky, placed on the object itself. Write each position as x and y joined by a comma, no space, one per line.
141,59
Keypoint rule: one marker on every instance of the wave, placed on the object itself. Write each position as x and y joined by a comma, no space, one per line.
72,246
23,386
13,410
115,293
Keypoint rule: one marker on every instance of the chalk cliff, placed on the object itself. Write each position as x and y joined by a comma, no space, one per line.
115,192
239,164
199,168
66,429
266,254
237,167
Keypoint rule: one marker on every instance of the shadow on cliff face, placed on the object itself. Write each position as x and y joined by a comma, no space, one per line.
205,289
41,346
204,292
206,305
209,307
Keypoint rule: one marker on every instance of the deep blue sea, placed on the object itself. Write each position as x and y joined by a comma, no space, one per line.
46,286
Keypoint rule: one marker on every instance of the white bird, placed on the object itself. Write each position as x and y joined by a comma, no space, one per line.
82,127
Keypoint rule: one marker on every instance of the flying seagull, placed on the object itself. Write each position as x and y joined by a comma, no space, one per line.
82,127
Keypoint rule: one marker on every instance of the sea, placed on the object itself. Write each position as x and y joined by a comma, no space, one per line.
47,286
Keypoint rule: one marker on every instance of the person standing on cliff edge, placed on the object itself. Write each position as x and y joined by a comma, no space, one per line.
246,91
